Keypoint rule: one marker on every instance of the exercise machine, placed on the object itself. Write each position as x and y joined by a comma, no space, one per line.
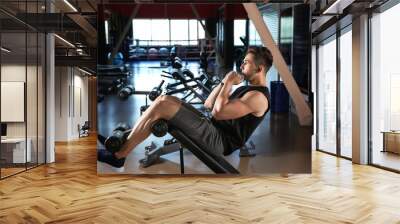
215,162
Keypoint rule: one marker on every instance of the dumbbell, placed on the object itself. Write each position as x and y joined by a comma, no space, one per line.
177,63
125,92
116,85
143,109
159,128
203,77
173,53
177,74
118,137
188,73
177,59
211,84
156,91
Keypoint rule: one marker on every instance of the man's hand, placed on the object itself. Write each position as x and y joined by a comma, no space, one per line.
233,77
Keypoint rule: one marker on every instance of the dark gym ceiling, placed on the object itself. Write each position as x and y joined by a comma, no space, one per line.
179,11
78,24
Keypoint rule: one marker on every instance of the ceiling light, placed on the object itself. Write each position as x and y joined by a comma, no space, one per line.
86,72
106,31
70,5
338,6
65,41
5,50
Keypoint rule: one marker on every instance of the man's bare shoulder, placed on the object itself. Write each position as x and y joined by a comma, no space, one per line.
254,95
257,101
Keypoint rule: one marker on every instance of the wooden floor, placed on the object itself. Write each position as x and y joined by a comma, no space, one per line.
70,191
10,171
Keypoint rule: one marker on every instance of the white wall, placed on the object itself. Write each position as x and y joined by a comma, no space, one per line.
33,126
13,73
71,102
61,103
314,90
80,110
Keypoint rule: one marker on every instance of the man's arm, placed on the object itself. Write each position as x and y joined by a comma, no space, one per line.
223,96
209,103
233,78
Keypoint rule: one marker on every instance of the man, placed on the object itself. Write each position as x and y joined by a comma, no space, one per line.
234,116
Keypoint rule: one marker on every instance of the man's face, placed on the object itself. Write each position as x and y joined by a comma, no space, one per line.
248,67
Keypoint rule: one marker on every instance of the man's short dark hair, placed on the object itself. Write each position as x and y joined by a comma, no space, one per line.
262,56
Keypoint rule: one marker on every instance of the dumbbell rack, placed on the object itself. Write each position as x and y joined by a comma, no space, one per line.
177,74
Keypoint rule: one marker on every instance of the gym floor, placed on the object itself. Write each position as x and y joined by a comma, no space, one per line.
282,146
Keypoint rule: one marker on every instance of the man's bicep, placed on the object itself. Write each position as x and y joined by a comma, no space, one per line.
256,101
234,109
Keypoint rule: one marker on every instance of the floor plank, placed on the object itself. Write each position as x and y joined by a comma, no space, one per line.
70,191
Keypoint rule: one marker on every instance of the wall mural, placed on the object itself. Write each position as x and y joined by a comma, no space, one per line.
165,106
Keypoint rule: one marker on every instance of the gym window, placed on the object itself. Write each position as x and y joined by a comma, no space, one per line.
165,32
239,31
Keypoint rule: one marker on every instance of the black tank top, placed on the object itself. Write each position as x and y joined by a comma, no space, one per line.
237,131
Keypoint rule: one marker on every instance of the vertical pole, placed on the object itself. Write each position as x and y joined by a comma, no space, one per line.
338,99
360,90
181,158
50,92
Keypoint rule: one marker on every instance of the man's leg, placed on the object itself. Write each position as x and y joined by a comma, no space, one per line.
164,107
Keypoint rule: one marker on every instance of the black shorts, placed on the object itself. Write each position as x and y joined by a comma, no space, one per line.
198,128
